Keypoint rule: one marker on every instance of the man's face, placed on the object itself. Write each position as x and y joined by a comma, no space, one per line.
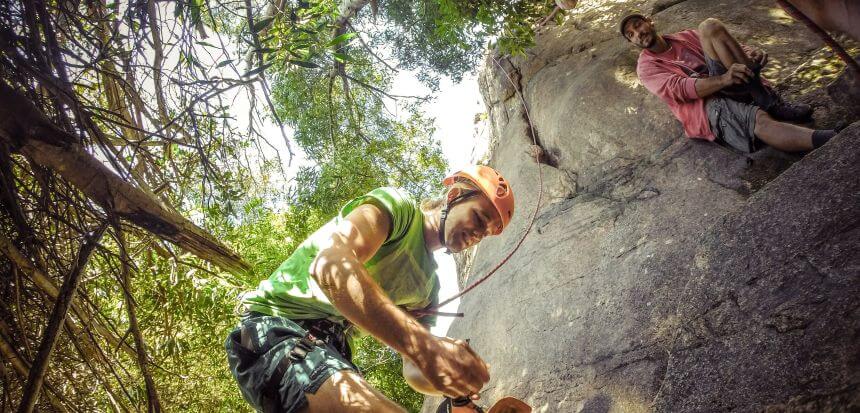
640,32
469,222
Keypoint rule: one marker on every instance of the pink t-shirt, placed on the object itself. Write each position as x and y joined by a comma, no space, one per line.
672,75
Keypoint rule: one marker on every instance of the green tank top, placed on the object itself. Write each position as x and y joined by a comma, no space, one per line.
402,267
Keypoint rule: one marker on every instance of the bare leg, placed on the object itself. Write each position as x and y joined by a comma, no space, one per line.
345,391
783,136
720,45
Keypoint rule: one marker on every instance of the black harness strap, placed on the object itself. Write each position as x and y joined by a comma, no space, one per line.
319,333
448,405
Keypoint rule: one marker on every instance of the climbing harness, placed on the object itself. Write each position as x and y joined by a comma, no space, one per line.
826,37
433,310
448,405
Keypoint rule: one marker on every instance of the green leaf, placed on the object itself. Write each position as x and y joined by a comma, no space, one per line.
306,64
342,38
257,70
301,54
224,63
195,7
341,57
262,24
300,45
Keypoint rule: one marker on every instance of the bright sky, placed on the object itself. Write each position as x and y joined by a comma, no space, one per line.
454,110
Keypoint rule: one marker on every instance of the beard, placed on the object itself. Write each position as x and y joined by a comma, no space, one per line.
648,41
652,40
453,241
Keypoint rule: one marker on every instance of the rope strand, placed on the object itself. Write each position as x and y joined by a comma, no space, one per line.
811,25
789,8
432,310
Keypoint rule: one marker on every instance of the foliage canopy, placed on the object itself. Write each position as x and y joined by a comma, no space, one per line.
154,91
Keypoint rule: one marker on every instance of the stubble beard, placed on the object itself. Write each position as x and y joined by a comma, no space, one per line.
652,42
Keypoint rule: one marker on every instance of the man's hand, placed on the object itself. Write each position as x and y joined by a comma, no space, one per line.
758,56
736,74
452,367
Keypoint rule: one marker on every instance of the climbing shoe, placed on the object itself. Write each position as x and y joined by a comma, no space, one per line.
790,112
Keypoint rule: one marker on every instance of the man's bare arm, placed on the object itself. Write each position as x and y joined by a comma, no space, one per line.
735,75
416,380
707,86
452,368
340,272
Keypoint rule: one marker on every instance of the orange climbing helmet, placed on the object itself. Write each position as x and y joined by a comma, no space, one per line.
493,185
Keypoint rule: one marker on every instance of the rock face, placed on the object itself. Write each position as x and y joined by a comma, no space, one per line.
664,274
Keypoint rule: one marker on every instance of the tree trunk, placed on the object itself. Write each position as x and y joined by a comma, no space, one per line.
28,132
347,9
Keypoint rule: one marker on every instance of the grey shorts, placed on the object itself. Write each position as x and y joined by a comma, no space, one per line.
276,364
731,113
715,67
733,123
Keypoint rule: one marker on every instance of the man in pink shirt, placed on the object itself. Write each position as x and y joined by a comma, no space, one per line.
712,85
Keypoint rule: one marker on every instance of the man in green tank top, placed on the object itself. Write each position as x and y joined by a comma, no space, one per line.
361,273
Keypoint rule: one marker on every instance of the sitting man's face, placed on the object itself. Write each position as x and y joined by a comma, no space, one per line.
640,32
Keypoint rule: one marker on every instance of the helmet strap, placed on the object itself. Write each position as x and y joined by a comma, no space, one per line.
444,214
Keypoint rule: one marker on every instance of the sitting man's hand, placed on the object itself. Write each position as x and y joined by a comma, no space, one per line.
758,56
737,74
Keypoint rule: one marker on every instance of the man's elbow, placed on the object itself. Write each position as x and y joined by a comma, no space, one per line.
672,98
325,268
679,97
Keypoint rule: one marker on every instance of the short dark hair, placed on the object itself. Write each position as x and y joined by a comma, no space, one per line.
627,18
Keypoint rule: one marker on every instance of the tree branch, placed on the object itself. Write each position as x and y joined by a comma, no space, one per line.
370,50
154,406
61,307
47,286
22,367
26,131
266,91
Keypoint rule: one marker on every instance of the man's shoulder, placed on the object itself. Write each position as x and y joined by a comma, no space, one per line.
393,194
646,62
395,201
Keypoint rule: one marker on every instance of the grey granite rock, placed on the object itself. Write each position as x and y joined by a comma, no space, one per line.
664,274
